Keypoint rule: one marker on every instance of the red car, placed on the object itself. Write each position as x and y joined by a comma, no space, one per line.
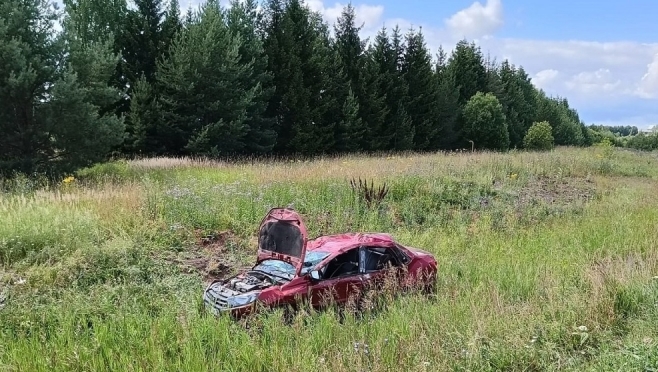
291,268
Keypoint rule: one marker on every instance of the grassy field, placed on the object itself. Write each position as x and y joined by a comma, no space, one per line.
548,261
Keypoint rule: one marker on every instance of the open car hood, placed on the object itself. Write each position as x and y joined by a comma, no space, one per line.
282,236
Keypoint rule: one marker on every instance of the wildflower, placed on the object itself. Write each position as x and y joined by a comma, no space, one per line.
514,176
68,180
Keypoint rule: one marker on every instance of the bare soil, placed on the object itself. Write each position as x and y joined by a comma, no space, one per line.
209,257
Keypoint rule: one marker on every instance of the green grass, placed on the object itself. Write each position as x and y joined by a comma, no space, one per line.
547,261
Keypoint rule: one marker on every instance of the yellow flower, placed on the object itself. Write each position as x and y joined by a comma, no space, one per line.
513,176
68,179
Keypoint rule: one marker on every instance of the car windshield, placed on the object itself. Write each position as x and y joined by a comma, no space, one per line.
285,270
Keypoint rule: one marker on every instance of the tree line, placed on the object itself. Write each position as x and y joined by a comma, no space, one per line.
142,79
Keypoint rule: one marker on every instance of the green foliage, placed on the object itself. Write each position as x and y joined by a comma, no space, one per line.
243,19
53,91
446,104
351,126
424,93
539,137
567,128
234,80
485,123
643,141
206,90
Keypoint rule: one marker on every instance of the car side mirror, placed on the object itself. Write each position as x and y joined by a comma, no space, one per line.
315,275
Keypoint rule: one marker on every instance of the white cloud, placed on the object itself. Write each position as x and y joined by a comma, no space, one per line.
544,78
599,81
367,15
477,20
648,87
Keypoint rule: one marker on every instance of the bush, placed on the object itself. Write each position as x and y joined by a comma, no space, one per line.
485,122
539,137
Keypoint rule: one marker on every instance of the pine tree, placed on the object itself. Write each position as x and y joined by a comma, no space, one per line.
204,96
141,44
467,65
518,102
51,92
147,120
350,47
171,26
566,130
95,20
350,55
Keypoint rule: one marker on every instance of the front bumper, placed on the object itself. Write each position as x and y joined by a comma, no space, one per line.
215,299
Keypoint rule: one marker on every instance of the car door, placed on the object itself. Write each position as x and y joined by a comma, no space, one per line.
341,278
380,264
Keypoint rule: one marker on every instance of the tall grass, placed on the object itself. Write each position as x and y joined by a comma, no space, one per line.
547,261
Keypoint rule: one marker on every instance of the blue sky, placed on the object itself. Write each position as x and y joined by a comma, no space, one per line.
601,55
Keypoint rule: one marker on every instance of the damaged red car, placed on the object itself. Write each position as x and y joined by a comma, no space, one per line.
291,268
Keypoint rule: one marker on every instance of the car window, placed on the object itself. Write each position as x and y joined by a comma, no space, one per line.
311,259
277,268
286,270
344,264
376,258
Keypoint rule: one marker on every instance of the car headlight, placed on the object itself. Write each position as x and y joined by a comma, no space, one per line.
241,300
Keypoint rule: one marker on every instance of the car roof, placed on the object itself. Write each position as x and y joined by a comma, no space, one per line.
338,243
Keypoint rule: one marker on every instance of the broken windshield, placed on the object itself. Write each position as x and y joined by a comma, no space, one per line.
285,270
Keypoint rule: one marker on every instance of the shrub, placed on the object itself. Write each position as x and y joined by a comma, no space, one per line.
539,137
485,122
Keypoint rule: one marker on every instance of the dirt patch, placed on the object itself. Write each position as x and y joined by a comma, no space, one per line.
557,190
210,256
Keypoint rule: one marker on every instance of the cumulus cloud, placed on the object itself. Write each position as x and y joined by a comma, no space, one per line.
544,78
648,87
367,15
599,81
477,20
591,74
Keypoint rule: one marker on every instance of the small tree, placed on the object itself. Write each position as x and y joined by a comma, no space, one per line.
485,122
539,137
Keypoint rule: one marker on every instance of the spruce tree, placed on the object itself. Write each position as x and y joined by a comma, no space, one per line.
423,92
467,66
352,128
388,55
447,104
299,55
244,20
205,96
381,70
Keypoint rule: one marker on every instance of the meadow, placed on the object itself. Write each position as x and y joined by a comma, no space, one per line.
547,261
